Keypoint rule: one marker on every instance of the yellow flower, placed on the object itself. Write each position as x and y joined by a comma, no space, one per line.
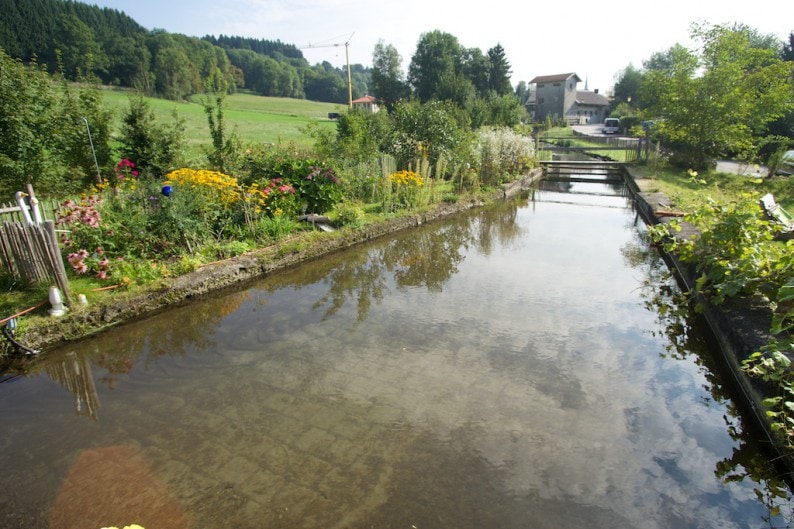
407,178
217,185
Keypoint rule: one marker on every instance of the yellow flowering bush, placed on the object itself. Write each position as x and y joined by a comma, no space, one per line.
406,178
215,186
405,186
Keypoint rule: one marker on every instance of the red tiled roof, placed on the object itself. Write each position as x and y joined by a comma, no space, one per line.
365,99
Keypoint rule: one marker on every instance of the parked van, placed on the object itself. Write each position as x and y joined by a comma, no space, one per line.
611,126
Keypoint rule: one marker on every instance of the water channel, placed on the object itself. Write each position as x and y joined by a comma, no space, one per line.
506,368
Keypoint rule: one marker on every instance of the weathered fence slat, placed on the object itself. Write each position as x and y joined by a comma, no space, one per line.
29,247
31,253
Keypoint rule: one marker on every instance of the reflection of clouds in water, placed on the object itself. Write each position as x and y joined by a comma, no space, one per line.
600,453
540,366
571,399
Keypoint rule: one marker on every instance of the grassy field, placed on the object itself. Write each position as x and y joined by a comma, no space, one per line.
255,119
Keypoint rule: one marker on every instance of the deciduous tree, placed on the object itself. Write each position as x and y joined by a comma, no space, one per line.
717,100
388,79
437,56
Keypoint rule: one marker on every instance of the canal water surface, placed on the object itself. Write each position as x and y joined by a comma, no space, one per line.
502,369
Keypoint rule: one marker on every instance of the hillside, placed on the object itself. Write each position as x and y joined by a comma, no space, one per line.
254,118
79,40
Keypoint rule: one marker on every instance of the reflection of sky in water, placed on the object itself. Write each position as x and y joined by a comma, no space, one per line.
534,362
542,349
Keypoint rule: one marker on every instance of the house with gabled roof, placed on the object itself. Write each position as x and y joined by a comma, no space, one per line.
558,97
367,103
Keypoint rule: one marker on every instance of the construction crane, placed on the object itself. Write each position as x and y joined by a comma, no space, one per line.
346,44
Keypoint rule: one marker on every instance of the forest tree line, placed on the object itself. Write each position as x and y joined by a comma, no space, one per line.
81,41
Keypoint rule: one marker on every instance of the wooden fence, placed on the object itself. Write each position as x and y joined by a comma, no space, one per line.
29,249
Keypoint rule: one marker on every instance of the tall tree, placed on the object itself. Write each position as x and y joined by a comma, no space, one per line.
627,87
499,71
79,50
788,49
437,56
716,101
522,92
388,80
477,68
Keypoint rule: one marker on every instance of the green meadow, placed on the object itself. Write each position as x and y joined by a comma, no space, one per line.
255,119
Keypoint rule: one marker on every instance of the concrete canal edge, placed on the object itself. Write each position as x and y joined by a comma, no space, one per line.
740,326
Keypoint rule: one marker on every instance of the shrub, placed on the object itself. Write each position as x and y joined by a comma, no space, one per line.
348,214
316,184
280,198
320,189
429,131
502,155
154,147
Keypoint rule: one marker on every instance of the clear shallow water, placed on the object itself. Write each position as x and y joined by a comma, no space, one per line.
501,369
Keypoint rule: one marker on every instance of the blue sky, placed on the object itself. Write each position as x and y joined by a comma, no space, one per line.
596,40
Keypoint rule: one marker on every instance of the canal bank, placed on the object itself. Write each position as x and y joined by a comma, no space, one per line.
81,322
502,365
741,326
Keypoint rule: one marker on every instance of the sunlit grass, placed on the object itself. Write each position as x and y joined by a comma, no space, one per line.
687,192
255,119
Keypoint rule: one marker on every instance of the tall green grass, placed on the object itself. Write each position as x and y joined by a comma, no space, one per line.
255,119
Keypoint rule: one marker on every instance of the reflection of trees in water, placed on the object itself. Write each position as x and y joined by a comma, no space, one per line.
168,334
430,257
171,334
689,337
424,258
498,225
360,278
